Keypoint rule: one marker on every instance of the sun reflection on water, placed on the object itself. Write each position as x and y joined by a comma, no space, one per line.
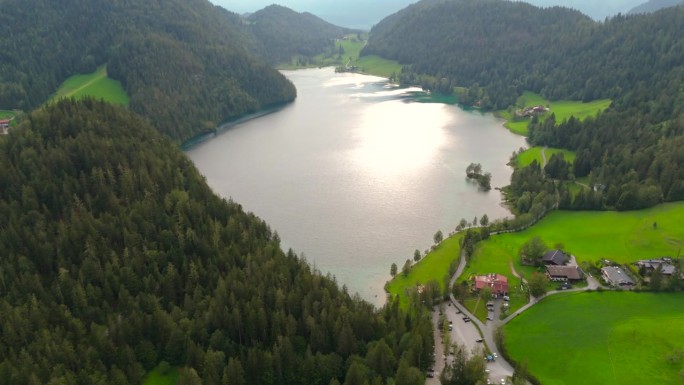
396,141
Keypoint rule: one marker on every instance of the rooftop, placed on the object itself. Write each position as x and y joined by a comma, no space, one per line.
616,276
569,272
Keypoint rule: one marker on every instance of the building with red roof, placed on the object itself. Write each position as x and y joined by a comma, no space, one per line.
497,282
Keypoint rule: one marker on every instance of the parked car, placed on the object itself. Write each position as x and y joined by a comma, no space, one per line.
466,320
490,318
479,340
431,373
506,298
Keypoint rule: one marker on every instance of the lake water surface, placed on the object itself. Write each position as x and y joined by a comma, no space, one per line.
356,174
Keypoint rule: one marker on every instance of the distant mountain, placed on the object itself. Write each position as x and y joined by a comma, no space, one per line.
283,33
654,5
184,63
360,14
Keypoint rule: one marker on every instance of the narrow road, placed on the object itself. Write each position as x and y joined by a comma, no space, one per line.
467,333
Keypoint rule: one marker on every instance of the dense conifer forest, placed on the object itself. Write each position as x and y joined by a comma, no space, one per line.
185,64
118,256
494,50
282,33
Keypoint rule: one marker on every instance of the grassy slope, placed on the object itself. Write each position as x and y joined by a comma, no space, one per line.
435,265
591,235
95,84
566,343
563,109
372,65
535,153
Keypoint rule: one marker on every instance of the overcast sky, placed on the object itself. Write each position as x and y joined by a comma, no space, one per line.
365,13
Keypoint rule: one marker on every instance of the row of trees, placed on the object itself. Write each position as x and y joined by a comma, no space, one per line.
118,256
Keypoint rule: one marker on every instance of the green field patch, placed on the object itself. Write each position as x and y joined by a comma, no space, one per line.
434,266
156,377
600,338
526,157
562,109
375,65
346,54
97,85
622,237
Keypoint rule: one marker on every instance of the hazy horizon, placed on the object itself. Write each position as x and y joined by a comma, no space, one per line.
364,14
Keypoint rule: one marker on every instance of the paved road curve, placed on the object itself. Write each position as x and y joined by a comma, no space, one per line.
467,333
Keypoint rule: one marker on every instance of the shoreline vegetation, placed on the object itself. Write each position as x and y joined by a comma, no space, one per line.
345,57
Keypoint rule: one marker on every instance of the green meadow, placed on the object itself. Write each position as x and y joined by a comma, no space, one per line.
351,47
96,85
622,237
155,377
6,114
375,65
613,338
434,266
563,110
526,157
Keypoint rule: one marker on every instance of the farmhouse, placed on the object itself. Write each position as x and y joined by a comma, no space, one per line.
616,277
665,265
555,258
4,126
564,273
497,282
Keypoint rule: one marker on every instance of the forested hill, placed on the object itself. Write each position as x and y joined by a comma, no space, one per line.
654,5
184,63
283,33
117,256
497,49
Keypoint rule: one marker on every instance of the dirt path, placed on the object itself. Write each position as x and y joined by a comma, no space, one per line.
515,273
543,153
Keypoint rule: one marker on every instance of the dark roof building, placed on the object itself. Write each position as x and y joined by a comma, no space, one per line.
564,273
617,277
554,257
666,268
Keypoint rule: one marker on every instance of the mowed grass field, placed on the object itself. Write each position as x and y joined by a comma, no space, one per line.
609,338
434,266
622,237
96,85
563,110
535,153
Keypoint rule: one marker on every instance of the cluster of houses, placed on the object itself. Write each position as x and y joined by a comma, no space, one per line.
616,276
558,269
